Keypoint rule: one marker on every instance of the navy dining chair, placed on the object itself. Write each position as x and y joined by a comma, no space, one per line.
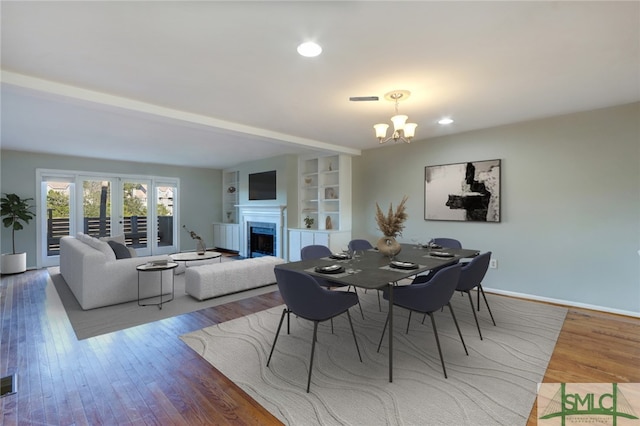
447,242
318,251
359,244
304,297
314,251
471,276
428,298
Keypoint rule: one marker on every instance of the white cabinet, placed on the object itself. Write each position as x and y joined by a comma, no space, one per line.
226,236
298,238
325,192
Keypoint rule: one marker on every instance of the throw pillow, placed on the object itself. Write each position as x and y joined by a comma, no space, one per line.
116,238
103,247
120,250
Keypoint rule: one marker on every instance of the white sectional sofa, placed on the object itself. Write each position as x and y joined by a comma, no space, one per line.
97,278
216,279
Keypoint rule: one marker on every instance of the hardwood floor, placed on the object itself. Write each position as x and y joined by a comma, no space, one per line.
594,347
146,375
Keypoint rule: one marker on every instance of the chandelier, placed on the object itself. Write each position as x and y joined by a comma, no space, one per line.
402,131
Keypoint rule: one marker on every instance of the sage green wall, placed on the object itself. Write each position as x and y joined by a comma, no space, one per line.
200,191
570,225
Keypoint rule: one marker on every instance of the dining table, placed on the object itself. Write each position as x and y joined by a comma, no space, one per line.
374,271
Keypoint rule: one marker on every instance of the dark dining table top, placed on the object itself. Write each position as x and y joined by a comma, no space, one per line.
373,269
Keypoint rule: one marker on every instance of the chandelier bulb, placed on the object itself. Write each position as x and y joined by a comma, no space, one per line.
381,131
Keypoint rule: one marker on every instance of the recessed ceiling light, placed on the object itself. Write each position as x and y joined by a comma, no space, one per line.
309,49
445,120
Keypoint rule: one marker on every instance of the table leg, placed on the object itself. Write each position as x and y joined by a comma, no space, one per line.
160,305
390,332
162,302
173,289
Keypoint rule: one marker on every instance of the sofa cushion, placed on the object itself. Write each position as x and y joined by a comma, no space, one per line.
102,247
84,238
116,238
120,239
120,250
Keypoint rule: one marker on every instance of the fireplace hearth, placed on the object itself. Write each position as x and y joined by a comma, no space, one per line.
261,239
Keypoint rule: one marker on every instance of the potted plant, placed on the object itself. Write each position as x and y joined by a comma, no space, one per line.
391,226
14,212
308,221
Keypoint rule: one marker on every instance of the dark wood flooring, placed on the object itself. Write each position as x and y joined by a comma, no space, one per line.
146,375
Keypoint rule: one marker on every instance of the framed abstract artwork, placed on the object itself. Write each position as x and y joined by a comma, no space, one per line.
467,192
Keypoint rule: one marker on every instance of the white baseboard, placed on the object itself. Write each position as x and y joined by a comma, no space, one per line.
563,302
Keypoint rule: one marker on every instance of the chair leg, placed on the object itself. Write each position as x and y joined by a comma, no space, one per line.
486,303
435,332
383,330
459,333
284,312
356,292
408,322
361,311
289,322
475,316
354,335
313,348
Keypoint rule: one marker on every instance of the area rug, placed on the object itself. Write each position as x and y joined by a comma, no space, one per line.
494,385
95,322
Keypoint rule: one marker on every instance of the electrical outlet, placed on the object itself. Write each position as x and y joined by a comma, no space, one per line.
493,263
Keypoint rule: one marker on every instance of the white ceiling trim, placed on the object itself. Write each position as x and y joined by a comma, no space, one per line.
77,93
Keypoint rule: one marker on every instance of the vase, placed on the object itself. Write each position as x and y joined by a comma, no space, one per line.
388,246
200,247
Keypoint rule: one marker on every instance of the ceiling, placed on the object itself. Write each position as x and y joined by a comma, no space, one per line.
215,84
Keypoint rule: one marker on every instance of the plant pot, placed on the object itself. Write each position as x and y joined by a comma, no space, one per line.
200,247
13,263
388,246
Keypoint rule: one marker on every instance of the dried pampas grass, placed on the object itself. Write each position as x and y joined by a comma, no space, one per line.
392,224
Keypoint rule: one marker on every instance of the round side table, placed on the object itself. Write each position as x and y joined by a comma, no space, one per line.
153,267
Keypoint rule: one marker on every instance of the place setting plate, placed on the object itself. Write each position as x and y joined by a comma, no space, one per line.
331,269
431,246
442,254
397,264
339,256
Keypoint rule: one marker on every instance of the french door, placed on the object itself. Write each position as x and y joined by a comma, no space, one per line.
140,208
57,197
118,206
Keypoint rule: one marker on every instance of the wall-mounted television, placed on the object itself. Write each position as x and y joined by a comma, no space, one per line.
262,186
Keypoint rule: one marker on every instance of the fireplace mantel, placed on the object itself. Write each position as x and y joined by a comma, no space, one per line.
269,213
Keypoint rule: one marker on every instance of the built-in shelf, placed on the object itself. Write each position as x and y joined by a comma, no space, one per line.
230,190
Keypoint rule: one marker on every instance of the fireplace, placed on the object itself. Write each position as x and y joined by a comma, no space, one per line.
270,233
261,240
